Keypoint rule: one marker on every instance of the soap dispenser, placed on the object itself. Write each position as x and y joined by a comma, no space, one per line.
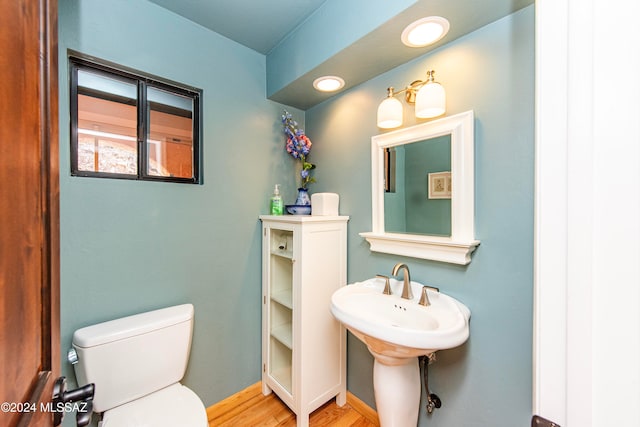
275,206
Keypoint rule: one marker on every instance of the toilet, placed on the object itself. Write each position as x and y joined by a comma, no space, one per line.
136,364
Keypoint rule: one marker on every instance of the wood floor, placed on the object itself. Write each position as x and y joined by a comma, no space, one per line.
250,408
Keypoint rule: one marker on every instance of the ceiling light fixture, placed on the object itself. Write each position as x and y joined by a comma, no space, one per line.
425,31
328,83
429,97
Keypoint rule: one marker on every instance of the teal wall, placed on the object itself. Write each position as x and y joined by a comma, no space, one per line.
292,57
424,215
487,381
407,209
130,246
395,210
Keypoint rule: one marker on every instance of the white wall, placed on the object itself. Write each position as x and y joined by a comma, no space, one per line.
587,338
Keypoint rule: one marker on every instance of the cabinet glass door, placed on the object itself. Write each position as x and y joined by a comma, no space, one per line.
281,307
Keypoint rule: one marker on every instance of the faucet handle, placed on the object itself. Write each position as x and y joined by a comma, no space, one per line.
424,298
433,288
387,286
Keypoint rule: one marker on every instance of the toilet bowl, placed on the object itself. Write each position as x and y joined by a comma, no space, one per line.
136,364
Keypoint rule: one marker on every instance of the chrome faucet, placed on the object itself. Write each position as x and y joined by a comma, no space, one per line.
406,288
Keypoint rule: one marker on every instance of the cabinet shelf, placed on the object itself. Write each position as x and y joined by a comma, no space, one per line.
283,377
282,253
284,298
283,334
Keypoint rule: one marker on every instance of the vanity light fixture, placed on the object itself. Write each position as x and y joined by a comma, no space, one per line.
425,31
429,97
328,83
390,111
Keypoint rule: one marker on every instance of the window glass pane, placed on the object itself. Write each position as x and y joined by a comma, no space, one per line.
132,125
170,137
107,123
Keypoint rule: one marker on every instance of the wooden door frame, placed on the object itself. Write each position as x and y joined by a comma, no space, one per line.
587,232
47,217
51,193
51,215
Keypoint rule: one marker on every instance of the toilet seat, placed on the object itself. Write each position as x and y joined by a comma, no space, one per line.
172,406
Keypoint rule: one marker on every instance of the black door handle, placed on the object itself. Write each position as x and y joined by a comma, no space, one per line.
61,397
537,421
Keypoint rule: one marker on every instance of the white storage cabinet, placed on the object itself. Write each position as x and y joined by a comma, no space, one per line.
304,260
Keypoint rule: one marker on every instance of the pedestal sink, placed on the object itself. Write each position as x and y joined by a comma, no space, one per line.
397,331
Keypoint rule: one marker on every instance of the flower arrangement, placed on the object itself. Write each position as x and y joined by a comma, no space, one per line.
299,146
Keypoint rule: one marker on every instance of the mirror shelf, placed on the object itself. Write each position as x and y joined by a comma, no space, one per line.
435,248
457,247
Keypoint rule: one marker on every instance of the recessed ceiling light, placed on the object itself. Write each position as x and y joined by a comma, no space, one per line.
328,83
425,31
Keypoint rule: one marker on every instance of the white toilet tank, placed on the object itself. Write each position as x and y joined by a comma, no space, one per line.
134,356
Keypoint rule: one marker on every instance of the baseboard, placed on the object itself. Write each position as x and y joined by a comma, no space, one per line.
254,390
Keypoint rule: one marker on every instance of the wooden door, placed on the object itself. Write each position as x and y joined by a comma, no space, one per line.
29,214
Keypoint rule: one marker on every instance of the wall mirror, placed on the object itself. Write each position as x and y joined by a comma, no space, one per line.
423,191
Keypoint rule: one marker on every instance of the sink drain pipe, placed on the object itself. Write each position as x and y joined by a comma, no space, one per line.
433,401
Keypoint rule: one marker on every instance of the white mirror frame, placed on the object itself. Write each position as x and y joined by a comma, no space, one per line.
458,247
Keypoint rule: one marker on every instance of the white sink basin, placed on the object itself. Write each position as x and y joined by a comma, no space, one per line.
397,331
396,327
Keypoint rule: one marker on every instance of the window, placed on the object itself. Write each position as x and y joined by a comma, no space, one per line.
125,124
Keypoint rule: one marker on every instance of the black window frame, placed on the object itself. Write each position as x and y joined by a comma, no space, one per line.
142,81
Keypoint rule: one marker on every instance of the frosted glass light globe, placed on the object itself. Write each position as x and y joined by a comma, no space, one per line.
430,101
390,113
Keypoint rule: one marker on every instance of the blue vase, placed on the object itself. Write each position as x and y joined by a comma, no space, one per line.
303,197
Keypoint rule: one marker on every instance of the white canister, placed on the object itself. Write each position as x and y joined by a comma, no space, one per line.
324,204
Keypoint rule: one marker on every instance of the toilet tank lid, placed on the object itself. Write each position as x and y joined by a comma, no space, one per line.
130,326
